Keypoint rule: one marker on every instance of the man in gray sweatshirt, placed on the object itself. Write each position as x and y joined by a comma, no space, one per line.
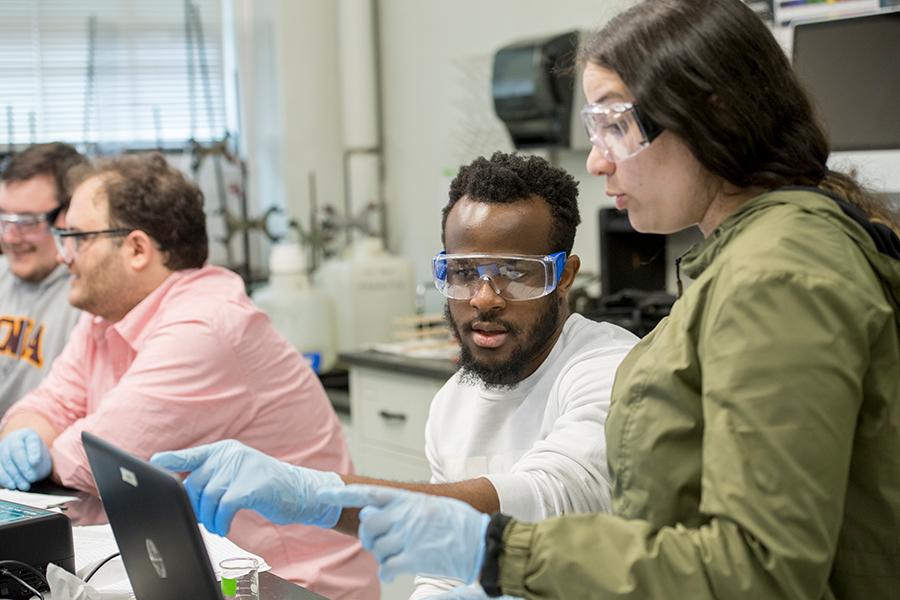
35,315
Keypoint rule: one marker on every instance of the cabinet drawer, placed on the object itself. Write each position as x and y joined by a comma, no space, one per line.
390,409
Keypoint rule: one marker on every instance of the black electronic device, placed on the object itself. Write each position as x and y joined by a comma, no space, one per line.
154,525
632,276
629,260
532,84
35,537
851,68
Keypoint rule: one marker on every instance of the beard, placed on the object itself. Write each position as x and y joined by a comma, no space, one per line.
509,373
99,290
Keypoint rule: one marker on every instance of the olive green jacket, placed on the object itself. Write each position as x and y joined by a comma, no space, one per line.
754,436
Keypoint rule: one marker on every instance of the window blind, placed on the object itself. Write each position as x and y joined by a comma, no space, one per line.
124,73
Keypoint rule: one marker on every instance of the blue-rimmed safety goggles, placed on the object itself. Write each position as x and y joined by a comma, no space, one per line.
513,277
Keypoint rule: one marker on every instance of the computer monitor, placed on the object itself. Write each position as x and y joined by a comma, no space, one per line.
629,259
851,68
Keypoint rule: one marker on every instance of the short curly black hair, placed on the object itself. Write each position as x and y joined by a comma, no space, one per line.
509,178
145,192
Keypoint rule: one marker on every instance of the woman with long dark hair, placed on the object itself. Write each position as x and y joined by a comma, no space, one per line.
754,436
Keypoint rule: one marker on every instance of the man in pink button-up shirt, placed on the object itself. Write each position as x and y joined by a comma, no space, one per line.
173,354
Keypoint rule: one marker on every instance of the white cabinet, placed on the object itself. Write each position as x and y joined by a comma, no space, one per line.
389,411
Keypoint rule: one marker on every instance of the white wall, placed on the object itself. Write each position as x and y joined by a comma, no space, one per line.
437,109
879,170
290,104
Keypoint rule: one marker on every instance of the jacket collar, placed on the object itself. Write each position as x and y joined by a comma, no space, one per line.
701,255
811,200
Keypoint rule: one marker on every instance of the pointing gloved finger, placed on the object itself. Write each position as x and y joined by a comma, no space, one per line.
182,461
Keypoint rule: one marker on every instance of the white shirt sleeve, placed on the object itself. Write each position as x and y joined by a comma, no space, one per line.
566,470
426,587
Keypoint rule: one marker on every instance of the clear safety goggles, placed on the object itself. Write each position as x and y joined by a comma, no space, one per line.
28,225
618,130
461,276
69,241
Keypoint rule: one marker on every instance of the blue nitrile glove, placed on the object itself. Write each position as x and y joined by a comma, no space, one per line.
228,476
414,533
24,459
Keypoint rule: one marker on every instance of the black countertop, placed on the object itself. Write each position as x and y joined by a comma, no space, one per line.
423,367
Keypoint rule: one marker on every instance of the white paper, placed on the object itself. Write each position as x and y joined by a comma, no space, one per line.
34,500
93,543
65,586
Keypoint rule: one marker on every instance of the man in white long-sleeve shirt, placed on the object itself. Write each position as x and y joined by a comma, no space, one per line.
520,427
526,411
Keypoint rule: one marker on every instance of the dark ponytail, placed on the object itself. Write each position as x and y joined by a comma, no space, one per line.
846,186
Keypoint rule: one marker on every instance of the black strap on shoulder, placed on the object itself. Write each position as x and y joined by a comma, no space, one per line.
884,238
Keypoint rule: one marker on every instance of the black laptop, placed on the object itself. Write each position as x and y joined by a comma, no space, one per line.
154,526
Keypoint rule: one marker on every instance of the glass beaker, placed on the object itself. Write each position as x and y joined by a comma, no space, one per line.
240,578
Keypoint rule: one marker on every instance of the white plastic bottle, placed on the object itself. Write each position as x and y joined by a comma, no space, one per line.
301,313
369,288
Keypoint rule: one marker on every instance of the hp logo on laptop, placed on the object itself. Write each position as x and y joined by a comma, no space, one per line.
156,559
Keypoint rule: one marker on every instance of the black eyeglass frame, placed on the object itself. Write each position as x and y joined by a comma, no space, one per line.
59,235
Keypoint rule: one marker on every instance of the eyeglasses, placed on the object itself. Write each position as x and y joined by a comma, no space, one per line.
28,225
618,130
69,241
461,276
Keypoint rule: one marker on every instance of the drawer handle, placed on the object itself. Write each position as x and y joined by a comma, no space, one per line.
389,416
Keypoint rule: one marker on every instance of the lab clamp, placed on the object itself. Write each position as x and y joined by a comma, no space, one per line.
322,236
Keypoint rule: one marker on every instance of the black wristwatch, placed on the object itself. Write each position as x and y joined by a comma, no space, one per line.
493,548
